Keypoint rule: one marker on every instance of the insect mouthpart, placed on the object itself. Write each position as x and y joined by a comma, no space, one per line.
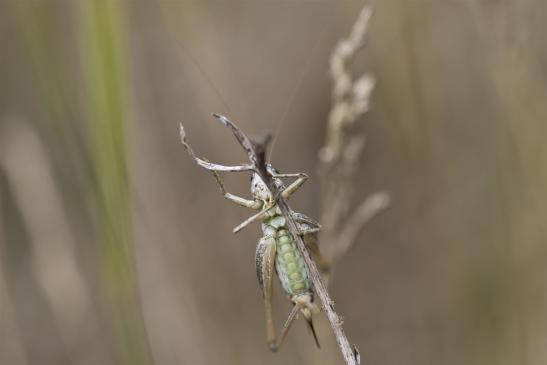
259,189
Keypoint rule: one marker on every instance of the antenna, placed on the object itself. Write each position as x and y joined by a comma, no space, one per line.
290,101
206,77
294,92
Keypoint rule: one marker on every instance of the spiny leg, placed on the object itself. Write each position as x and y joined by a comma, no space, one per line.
306,226
251,219
253,204
295,185
307,222
308,229
276,344
311,243
298,174
265,267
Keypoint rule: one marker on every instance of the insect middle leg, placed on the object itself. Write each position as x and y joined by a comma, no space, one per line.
251,219
309,229
306,225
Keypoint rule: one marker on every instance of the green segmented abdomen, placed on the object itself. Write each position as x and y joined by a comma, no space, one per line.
290,266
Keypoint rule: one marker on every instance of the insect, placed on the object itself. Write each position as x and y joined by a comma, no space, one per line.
276,251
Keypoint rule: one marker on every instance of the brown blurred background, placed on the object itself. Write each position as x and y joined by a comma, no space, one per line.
116,249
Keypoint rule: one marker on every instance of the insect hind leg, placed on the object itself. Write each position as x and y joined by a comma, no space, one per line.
275,342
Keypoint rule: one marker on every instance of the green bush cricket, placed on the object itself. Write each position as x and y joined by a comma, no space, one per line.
276,250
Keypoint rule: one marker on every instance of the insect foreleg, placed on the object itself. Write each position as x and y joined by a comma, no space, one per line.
289,190
253,204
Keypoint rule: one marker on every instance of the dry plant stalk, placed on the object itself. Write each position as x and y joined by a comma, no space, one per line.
344,143
256,152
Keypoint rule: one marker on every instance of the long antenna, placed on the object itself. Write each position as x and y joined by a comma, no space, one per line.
295,91
206,77
196,64
290,101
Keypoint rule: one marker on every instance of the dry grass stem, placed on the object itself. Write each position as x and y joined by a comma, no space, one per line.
345,142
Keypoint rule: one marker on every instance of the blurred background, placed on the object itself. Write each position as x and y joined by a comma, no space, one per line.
115,248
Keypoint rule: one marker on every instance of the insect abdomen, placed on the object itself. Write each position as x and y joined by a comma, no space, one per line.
290,266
